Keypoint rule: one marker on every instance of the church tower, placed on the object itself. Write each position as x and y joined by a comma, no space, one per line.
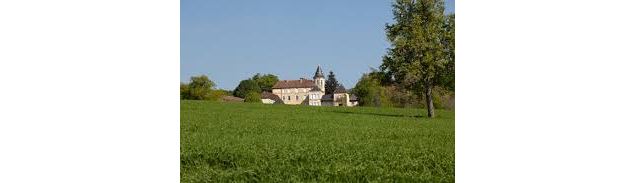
319,78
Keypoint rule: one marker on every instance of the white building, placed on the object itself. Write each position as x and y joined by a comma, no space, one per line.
310,92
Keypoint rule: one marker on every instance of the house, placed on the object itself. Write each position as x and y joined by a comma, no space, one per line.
310,92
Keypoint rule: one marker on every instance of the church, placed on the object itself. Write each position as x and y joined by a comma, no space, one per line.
308,92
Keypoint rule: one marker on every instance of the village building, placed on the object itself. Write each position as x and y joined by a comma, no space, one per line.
308,92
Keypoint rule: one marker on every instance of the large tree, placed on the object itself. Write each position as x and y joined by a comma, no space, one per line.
265,81
245,87
419,47
331,83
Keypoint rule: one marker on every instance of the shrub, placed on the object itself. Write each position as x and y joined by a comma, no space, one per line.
253,97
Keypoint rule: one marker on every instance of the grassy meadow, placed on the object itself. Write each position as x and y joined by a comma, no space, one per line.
228,142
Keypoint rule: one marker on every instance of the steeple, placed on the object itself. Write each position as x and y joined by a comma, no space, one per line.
318,73
319,78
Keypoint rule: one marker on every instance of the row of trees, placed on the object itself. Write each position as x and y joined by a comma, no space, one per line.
202,88
420,59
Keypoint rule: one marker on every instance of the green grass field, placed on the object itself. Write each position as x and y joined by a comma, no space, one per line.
223,142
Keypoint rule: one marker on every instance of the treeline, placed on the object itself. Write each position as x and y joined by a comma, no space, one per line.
202,88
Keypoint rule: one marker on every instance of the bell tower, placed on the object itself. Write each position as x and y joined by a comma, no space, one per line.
319,78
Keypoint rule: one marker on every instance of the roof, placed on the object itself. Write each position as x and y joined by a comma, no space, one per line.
318,73
269,95
328,97
302,83
340,89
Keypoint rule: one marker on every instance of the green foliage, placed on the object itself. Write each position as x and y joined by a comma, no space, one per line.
245,87
331,83
218,94
370,92
243,142
185,93
446,75
253,97
266,81
420,46
443,98
199,88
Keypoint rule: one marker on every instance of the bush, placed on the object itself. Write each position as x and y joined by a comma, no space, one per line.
371,93
253,97
442,98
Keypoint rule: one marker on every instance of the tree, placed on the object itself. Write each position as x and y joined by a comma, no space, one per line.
253,97
199,88
331,83
266,81
245,87
418,52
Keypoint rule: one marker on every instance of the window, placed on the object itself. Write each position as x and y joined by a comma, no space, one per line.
297,97
288,97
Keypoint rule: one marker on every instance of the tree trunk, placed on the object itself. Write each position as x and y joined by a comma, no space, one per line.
430,105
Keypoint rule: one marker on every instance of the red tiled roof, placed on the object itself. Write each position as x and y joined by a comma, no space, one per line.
302,83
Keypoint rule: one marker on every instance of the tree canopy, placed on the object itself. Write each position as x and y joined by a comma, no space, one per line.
245,87
265,81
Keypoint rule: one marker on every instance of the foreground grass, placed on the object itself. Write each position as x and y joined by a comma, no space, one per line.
223,142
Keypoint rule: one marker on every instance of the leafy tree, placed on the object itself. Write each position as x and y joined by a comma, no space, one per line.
331,83
418,53
266,81
199,88
245,87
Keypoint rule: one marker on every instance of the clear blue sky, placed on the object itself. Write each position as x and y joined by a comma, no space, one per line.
231,40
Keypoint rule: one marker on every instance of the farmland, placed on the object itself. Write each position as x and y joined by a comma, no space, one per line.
223,142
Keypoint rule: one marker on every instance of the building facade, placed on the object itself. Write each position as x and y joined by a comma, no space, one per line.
311,92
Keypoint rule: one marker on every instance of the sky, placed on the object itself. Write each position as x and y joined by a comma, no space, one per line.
231,40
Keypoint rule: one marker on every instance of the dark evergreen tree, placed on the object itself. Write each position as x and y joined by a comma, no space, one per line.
331,83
